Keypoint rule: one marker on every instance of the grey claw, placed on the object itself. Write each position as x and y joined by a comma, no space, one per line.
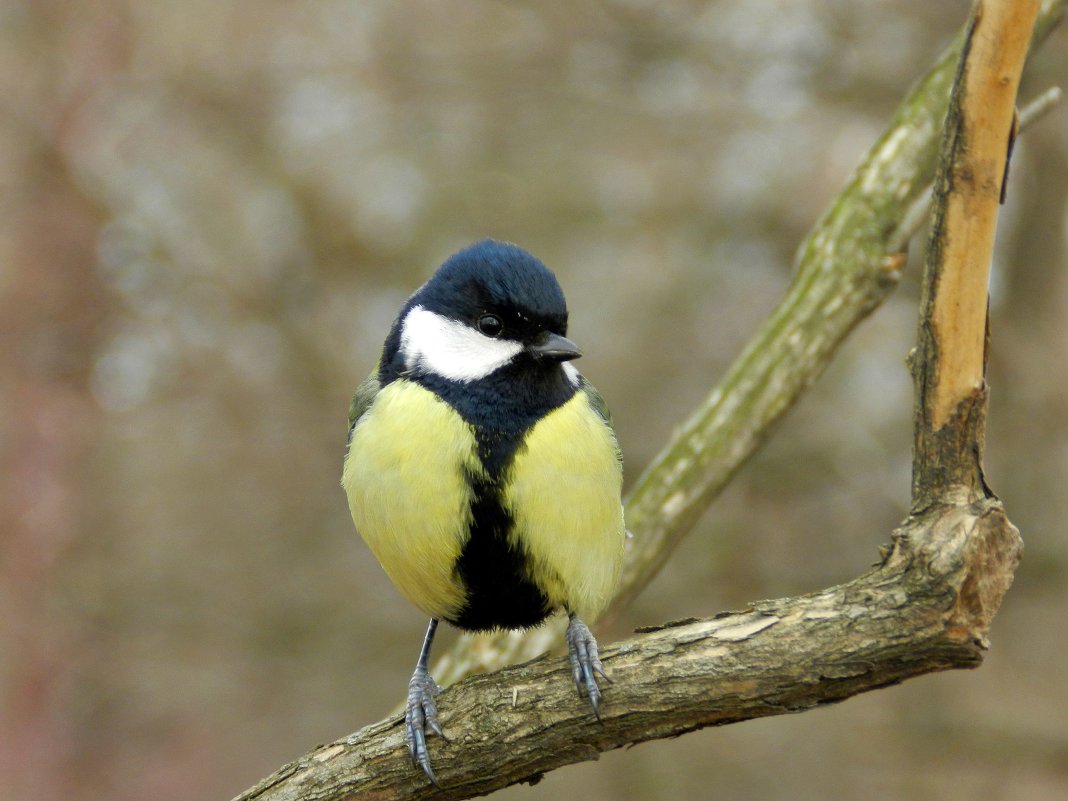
421,714
585,662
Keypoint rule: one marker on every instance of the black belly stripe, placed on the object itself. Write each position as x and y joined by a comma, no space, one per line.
499,592
495,573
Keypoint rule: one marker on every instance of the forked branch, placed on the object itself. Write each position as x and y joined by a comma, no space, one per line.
926,607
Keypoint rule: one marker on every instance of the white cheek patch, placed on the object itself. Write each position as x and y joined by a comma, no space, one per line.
571,372
451,349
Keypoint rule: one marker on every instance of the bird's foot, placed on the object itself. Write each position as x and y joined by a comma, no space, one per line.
421,714
585,663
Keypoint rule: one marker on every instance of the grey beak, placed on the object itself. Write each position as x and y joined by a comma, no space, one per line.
554,347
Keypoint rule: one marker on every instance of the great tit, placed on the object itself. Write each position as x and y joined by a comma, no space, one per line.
482,469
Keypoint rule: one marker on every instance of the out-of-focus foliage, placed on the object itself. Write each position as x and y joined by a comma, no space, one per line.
209,213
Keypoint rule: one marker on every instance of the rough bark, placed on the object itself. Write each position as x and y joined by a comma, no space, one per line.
928,604
925,609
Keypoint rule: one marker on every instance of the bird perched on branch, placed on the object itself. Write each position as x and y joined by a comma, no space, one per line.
482,468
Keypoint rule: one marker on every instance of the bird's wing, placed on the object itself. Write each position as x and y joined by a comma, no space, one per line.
597,403
363,398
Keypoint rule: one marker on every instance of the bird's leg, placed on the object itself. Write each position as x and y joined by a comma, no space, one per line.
585,663
420,712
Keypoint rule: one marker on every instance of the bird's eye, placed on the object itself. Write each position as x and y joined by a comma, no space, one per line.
490,325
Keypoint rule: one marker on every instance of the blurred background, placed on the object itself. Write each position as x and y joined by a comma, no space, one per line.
210,212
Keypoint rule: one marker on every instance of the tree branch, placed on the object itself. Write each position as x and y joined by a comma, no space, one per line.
923,610
949,365
846,267
926,607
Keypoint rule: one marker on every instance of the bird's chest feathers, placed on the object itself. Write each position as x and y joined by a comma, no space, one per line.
467,519
427,493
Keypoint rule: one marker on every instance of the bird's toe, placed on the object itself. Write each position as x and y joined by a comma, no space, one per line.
585,662
421,714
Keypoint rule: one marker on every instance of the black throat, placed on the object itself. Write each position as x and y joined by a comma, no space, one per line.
504,405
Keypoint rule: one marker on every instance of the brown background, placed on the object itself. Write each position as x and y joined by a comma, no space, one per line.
209,213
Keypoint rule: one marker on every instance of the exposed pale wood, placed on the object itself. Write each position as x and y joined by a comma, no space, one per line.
970,188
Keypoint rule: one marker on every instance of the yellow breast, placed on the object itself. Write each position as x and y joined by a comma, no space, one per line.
564,495
404,476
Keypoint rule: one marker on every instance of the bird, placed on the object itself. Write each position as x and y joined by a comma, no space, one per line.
483,470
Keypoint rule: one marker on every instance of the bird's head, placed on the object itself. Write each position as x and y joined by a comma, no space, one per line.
488,306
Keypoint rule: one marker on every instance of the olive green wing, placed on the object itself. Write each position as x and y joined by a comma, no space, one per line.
362,399
596,401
